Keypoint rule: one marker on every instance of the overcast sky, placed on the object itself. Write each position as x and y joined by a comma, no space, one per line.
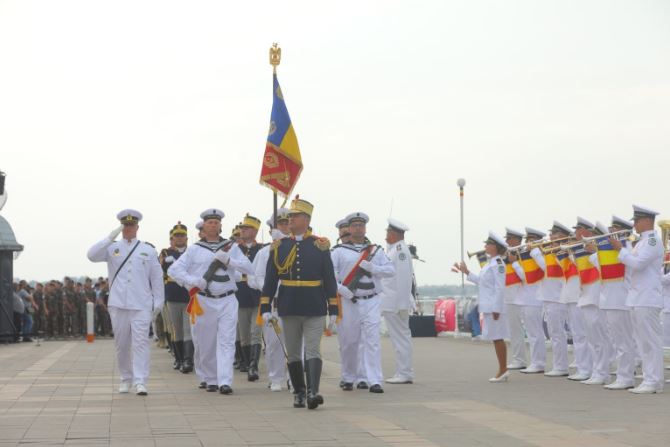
549,110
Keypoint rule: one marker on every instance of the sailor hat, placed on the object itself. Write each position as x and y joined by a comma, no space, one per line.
535,232
357,216
621,222
212,213
250,221
180,228
583,223
559,227
129,216
600,228
495,238
342,223
643,211
198,225
396,225
513,232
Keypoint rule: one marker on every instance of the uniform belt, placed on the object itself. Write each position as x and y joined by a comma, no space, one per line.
209,295
365,286
300,283
220,278
364,297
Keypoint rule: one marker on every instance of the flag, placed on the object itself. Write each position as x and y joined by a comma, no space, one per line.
554,269
588,273
282,163
610,267
482,258
569,268
532,271
511,278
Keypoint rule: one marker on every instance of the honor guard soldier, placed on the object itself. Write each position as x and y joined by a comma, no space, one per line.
514,303
397,301
301,267
248,300
176,299
359,268
207,269
645,261
136,287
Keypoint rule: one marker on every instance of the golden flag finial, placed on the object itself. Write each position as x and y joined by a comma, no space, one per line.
275,56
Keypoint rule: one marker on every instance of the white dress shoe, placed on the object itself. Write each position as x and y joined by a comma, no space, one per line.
398,380
572,365
124,387
532,369
646,389
141,390
515,365
557,373
594,381
618,386
275,386
503,378
579,377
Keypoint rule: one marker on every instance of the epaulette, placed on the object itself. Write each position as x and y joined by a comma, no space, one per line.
322,243
499,261
150,244
275,244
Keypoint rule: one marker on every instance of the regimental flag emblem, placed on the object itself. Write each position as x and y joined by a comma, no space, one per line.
554,269
588,273
530,268
511,278
282,163
610,267
569,268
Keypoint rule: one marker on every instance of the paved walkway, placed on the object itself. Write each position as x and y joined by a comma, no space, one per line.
64,393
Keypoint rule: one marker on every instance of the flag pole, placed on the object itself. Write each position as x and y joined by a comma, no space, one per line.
275,59
461,184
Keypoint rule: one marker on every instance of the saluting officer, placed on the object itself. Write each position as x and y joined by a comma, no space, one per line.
301,267
136,288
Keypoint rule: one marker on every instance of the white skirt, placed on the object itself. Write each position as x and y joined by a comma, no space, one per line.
495,329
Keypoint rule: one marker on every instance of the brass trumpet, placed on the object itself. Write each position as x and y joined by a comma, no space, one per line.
618,235
476,253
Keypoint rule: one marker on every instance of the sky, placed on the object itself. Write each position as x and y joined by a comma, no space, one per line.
548,109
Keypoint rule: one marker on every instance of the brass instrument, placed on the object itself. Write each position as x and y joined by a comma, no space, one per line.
618,235
476,253
545,245
664,225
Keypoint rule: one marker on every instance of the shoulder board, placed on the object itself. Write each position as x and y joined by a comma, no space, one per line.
322,243
150,244
499,261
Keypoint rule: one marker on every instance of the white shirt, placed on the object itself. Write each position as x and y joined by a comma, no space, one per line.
571,290
139,283
665,281
530,293
645,261
345,257
590,293
550,288
613,294
513,294
397,289
491,282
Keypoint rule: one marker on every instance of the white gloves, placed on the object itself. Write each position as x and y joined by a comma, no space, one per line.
200,283
276,234
332,319
267,316
169,259
116,232
222,256
344,292
367,265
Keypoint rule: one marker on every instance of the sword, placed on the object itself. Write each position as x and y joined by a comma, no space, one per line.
274,322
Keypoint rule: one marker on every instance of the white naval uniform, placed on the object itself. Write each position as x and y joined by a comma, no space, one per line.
136,291
214,330
361,320
514,309
396,303
491,284
666,309
274,354
645,261
581,349
532,318
555,312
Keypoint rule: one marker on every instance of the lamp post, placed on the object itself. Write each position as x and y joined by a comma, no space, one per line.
461,185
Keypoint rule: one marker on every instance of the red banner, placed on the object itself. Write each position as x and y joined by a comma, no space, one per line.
279,172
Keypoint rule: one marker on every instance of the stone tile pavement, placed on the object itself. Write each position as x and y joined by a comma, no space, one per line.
64,393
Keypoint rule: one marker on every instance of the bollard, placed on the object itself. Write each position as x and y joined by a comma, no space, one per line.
90,329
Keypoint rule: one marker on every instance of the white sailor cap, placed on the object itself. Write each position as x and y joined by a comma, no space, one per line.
342,223
282,214
583,223
557,226
358,216
212,213
621,222
396,225
513,232
198,225
495,238
530,231
129,216
643,211
601,228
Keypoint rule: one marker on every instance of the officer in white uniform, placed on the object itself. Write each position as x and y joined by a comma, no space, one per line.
397,301
274,354
361,316
514,303
136,294
645,261
213,303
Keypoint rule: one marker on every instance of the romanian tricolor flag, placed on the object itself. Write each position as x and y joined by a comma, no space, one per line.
569,268
610,267
554,269
588,273
530,268
482,258
282,163
511,278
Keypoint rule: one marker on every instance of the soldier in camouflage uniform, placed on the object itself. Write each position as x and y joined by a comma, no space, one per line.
54,309
39,323
70,314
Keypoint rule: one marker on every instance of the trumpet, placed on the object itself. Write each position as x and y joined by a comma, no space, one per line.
572,247
476,253
618,235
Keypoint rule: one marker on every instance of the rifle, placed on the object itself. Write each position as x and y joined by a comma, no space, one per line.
357,273
216,264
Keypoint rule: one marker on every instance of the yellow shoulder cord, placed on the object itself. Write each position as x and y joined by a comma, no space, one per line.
288,262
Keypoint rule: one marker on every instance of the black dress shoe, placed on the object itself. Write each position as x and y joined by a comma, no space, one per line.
212,388
299,400
347,386
376,389
362,386
202,385
225,389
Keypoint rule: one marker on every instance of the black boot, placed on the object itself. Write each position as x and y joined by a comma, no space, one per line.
187,359
252,374
246,354
313,368
297,376
178,354
238,355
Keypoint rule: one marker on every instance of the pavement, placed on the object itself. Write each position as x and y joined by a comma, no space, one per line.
65,393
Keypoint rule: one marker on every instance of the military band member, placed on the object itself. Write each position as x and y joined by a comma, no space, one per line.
136,289
514,303
213,305
176,299
491,282
645,261
397,301
301,267
361,315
